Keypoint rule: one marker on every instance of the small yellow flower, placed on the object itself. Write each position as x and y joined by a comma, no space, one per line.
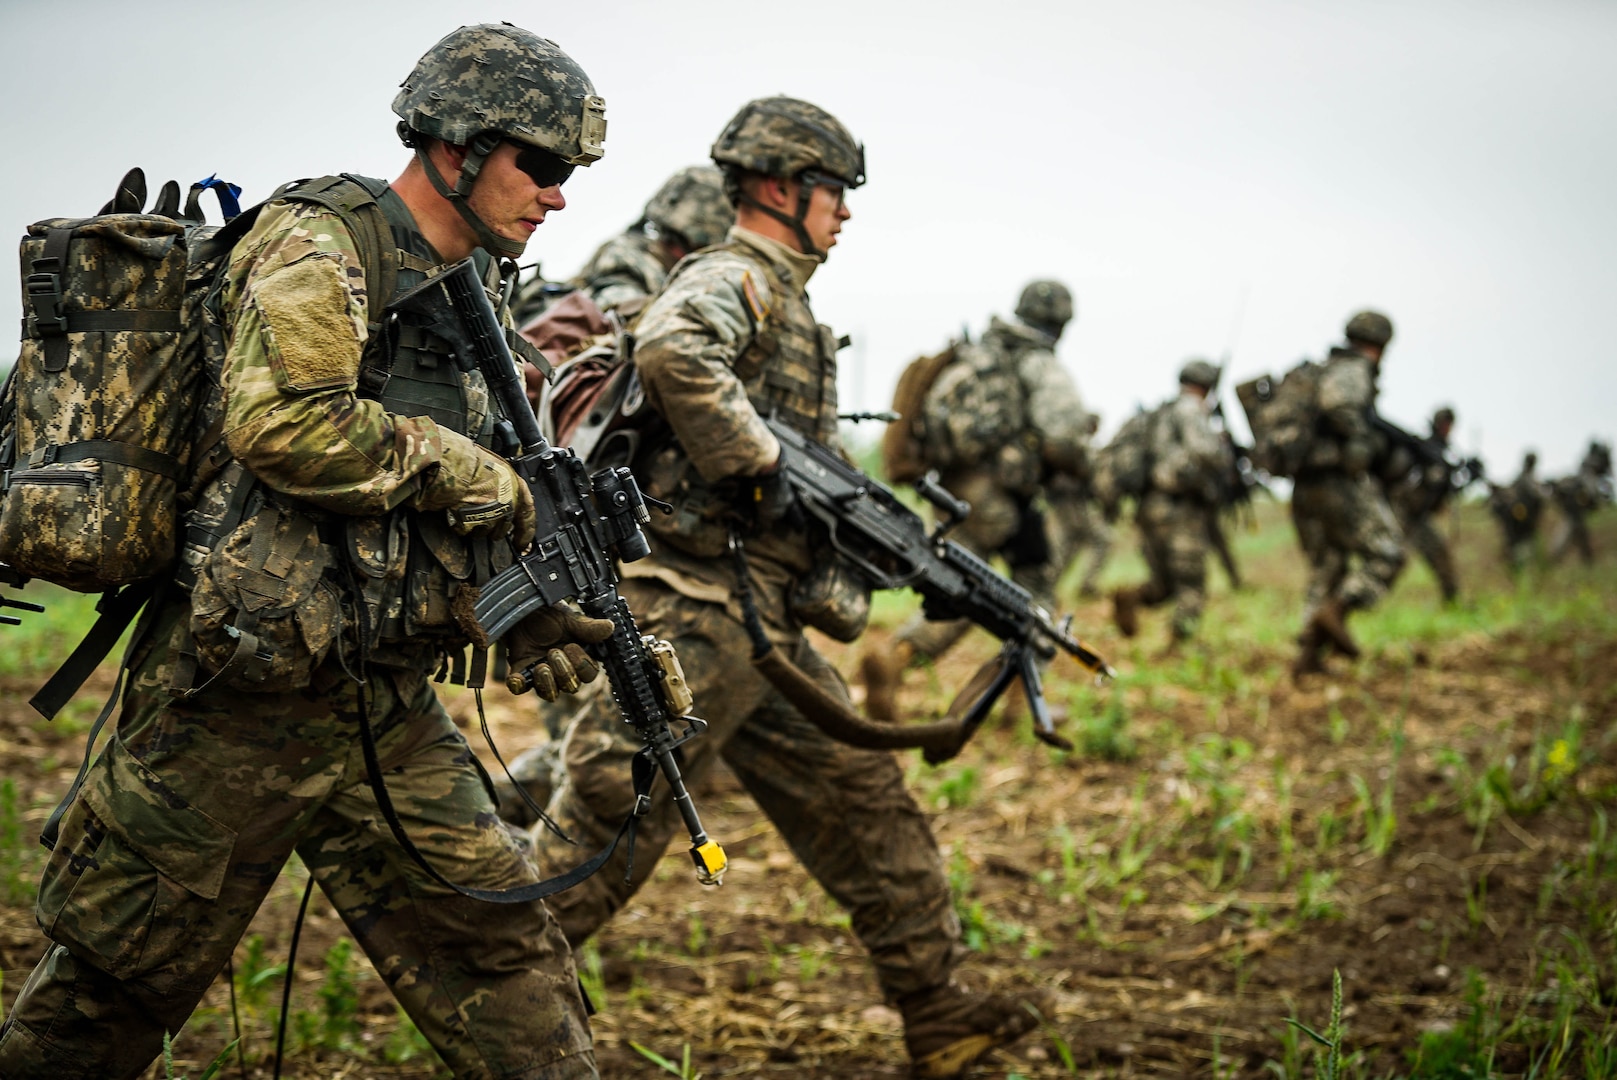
1558,763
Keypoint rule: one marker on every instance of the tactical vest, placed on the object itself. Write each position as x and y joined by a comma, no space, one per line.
789,371
408,566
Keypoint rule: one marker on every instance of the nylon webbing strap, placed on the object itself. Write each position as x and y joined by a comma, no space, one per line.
154,595
117,319
117,610
44,287
643,774
136,457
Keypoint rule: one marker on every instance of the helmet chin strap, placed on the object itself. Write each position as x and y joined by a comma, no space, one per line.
477,153
805,192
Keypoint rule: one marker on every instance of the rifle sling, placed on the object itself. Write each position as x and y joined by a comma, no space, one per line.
643,773
939,741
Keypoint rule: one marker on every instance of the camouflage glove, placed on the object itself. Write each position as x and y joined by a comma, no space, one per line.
546,651
493,501
765,502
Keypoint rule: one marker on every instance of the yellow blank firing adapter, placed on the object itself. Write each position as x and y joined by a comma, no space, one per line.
710,863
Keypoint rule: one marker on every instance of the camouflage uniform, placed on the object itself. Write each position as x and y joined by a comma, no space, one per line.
1188,455
1003,419
1578,496
1416,500
626,270
1517,507
188,815
1338,506
732,336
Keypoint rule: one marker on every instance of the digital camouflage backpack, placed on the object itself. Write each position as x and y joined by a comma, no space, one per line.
101,405
1123,466
903,444
110,421
1283,417
976,405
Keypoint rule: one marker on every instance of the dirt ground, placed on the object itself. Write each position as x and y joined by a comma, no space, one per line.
1185,886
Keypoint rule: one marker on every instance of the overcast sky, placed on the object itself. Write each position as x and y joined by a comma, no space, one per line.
1208,176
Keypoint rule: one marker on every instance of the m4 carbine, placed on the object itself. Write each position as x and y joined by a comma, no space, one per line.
584,524
889,545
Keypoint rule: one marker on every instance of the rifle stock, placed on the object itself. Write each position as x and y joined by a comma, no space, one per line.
585,523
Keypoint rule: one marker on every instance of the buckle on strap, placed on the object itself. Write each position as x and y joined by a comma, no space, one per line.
43,288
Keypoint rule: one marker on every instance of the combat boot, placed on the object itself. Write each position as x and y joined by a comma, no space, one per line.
1308,660
947,1028
883,674
1330,621
1126,611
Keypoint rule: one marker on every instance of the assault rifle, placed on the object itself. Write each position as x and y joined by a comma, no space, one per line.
9,576
1459,474
584,524
1408,441
888,544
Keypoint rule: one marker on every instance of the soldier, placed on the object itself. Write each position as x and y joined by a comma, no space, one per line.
1002,421
352,502
1338,506
1189,456
1518,506
1420,495
689,212
730,338
1577,496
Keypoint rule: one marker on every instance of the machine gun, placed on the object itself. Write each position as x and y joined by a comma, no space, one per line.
584,524
888,545
9,576
1458,473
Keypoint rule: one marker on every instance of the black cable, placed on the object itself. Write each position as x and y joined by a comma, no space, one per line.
286,989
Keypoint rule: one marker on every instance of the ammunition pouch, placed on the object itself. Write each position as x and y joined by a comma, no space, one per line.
265,609
833,597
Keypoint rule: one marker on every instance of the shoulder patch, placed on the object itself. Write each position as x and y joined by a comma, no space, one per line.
755,304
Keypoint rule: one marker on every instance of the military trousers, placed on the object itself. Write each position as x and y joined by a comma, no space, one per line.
844,812
1422,534
1350,537
185,821
1076,525
1174,541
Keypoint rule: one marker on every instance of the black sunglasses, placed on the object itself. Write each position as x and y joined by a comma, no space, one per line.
541,166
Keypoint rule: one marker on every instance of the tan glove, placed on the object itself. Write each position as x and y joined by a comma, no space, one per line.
546,651
493,501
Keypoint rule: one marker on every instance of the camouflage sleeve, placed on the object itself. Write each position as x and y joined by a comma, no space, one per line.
295,306
1347,390
1056,411
691,340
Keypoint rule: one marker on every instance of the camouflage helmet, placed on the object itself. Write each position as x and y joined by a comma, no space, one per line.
1443,417
1369,327
485,84
501,78
788,138
692,205
783,136
1046,305
1202,373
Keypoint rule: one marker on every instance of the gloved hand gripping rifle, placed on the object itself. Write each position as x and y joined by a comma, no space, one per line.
888,544
584,523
